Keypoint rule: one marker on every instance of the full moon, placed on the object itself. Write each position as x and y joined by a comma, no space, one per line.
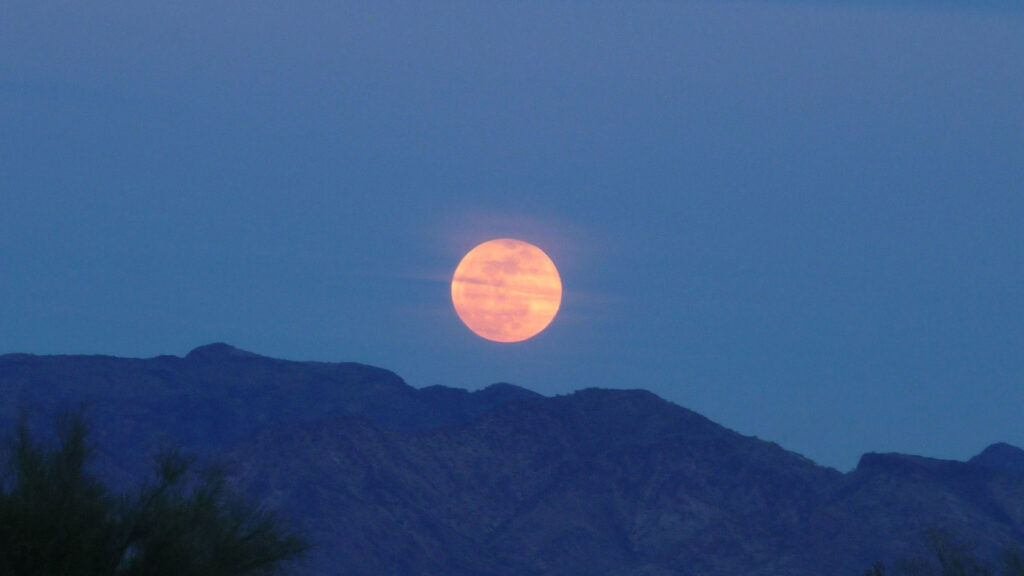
506,290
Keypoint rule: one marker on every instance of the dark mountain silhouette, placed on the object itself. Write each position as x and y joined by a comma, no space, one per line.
217,396
388,479
1002,456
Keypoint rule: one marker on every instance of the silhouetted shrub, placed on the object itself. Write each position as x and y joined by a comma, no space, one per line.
950,556
58,519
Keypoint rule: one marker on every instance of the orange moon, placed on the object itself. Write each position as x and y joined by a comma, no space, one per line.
506,290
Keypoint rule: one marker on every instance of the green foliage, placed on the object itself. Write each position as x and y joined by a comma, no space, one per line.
56,519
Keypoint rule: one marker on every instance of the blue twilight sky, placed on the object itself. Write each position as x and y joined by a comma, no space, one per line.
804,220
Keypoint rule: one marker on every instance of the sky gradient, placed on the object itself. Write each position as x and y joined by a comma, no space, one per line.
800,219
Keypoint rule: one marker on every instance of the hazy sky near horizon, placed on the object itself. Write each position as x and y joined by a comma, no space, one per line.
804,220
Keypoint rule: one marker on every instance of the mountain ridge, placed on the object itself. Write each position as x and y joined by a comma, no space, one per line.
502,481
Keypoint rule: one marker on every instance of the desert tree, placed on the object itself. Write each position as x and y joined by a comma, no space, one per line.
57,518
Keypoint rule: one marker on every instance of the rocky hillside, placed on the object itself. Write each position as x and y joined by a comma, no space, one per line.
388,479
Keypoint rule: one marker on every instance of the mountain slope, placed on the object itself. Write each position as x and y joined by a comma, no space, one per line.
218,395
388,479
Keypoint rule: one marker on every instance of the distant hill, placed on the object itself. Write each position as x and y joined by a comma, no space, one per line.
1002,456
389,479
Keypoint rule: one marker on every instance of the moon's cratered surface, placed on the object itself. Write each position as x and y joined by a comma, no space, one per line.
506,290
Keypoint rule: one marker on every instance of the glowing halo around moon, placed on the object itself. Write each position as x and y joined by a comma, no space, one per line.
506,290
